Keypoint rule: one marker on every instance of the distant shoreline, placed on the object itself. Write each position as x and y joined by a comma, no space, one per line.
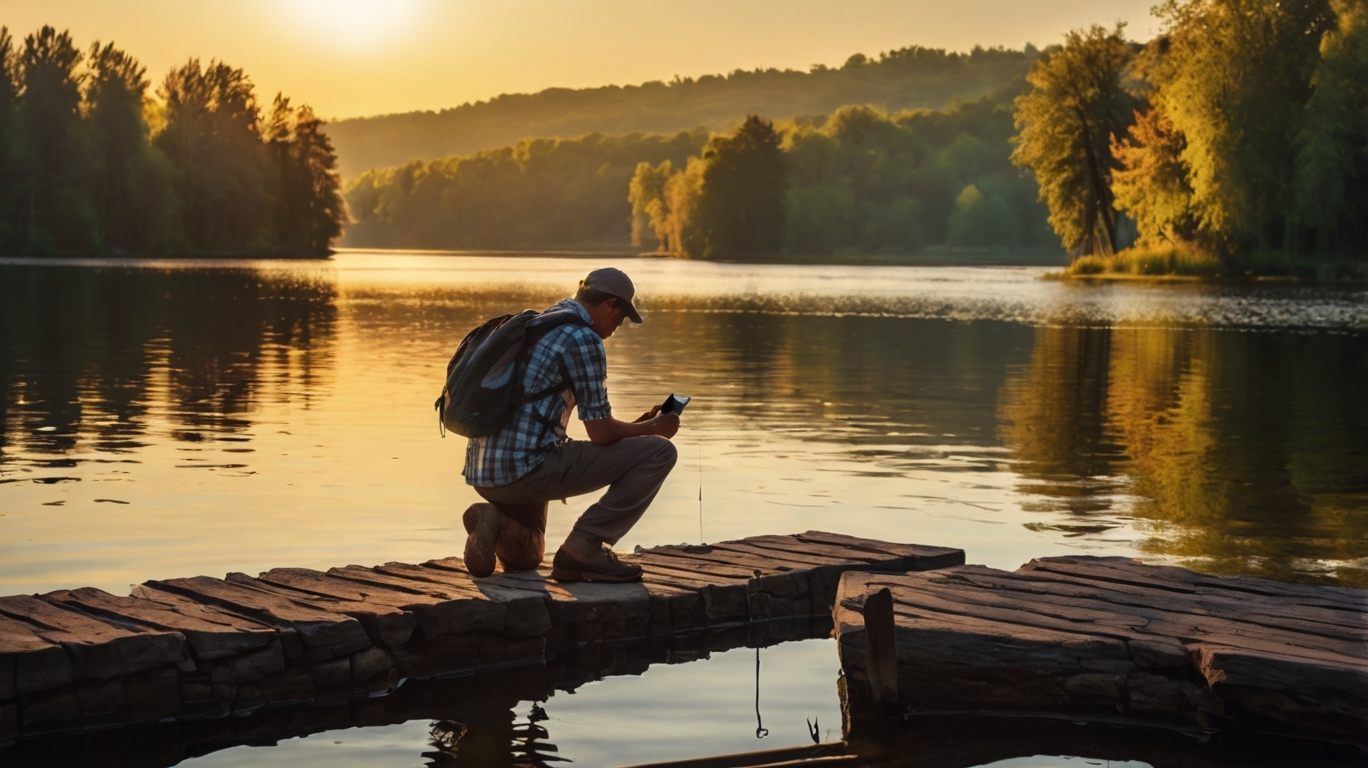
931,257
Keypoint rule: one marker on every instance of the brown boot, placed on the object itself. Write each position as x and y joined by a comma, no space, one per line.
602,565
482,523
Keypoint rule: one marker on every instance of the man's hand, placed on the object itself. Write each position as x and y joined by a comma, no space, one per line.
665,424
653,422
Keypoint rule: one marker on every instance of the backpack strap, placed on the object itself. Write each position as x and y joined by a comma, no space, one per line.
557,387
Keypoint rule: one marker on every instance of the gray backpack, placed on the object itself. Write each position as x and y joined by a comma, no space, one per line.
484,378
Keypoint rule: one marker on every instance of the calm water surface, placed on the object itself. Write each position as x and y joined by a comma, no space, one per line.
170,419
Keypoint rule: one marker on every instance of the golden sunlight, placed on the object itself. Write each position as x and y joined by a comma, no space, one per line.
354,25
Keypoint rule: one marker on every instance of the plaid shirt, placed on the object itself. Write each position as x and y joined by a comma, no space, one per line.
521,446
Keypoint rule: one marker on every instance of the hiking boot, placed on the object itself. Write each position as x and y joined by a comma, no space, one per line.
482,523
602,565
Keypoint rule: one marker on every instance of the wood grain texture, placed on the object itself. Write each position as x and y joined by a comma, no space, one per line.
202,646
1114,636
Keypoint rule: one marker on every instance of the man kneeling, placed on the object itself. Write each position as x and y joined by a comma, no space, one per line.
529,462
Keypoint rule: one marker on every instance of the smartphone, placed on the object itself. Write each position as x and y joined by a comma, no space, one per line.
674,404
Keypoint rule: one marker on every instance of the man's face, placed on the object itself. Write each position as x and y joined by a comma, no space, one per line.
607,316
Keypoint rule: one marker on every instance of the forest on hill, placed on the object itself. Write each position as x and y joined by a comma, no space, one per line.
859,181
543,193
1234,142
909,78
91,163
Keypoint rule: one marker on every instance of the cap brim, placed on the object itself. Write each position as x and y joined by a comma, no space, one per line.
632,313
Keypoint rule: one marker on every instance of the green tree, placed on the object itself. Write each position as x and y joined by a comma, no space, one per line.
895,228
132,192
1076,107
1151,183
55,144
12,182
1330,185
212,137
818,218
538,193
650,214
308,206
741,206
981,220
683,198
1234,78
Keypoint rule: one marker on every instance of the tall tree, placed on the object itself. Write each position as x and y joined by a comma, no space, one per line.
650,213
741,206
55,143
131,185
12,180
213,139
1235,78
1151,185
308,207
1076,107
1330,186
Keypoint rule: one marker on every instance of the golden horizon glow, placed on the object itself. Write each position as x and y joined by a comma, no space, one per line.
355,26
353,58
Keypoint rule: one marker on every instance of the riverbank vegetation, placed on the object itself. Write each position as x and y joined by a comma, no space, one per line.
1237,137
907,78
92,163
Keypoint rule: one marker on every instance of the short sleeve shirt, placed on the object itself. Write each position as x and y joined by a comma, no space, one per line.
573,350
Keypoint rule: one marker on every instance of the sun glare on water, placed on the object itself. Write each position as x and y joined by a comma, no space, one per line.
355,25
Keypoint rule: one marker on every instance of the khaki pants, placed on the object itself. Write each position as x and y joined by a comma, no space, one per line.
633,469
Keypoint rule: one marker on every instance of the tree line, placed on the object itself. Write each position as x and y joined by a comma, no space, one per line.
860,180
90,162
543,193
1240,132
906,78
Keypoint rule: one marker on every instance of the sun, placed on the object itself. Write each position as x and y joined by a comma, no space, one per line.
354,25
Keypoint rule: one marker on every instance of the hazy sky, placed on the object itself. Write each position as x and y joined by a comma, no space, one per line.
361,57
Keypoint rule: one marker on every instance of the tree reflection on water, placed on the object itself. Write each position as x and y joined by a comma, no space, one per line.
87,352
1229,450
1242,452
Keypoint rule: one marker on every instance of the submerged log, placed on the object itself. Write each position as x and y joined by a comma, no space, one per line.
1112,637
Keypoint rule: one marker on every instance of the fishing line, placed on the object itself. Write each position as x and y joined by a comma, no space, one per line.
700,490
760,730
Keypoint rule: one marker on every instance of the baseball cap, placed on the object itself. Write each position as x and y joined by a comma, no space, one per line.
613,282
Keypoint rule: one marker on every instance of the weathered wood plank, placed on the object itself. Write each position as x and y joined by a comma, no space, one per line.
881,647
1329,596
324,633
928,557
97,648
1106,636
791,548
210,632
386,614
525,609
30,662
295,634
1314,619
1173,613
790,559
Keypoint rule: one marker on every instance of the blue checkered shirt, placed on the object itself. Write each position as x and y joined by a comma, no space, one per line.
521,446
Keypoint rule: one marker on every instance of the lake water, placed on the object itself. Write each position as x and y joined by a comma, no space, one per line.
165,419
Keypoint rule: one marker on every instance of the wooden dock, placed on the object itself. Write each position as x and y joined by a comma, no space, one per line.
1110,640
205,647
